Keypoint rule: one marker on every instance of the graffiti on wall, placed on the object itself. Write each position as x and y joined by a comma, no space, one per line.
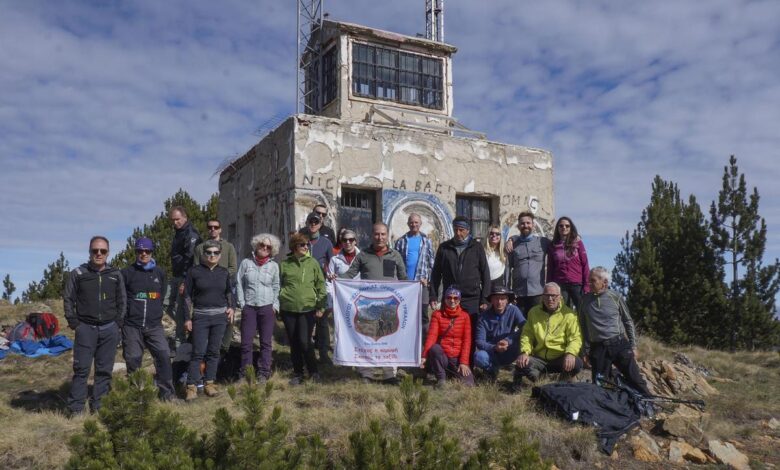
435,215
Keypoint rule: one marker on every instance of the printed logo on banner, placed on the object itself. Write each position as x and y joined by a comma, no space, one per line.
376,317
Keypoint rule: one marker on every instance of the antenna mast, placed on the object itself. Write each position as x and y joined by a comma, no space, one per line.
308,60
434,20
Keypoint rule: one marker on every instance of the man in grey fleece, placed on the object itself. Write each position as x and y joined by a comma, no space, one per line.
608,332
378,262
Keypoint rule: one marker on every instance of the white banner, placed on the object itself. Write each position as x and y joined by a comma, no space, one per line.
377,323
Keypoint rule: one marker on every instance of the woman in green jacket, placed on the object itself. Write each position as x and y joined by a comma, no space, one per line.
302,299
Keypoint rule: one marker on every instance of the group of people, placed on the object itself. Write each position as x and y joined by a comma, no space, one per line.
494,304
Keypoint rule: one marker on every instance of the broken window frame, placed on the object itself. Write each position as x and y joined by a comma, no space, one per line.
479,212
393,75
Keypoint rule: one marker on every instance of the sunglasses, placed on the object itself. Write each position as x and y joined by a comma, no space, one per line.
495,234
452,297
322,214
348,240
261,246
96,251
144,252
302,245
214,227
212,253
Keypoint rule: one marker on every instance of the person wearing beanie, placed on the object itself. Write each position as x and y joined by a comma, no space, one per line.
448,345
144,284
461,261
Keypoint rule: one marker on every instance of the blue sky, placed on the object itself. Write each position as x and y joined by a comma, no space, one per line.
107,108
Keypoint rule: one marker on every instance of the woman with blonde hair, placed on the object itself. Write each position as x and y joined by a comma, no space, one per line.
496,255
258,298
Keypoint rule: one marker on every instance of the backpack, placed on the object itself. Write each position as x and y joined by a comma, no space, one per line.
44,324
21,331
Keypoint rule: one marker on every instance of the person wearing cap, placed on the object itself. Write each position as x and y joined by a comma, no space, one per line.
378,262
228,260
525,263
498,333
550,341
322,211
208,292
417,250
461,261
145,284
448,345
321,249
95,305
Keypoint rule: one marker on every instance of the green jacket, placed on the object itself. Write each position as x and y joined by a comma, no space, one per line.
303,285
550,336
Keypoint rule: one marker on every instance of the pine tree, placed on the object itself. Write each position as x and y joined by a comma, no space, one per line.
670,271
8,287
739,234
161,231
51,285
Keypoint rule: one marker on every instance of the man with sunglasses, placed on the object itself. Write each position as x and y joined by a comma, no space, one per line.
417,250
322,212
185,239
144,286
227,260
95,303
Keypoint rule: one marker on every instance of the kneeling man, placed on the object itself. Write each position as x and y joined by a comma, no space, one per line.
498,333
550,341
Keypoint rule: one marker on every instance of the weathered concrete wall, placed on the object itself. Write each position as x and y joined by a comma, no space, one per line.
417,171
256,193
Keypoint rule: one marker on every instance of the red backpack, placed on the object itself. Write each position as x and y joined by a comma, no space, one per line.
44,324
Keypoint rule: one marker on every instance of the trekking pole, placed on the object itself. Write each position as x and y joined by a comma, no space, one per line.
651,398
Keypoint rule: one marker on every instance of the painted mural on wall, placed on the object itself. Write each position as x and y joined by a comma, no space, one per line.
435,215
542,227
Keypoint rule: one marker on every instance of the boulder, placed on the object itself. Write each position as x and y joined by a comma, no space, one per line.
667,378
680,451
120,367
726,453
686,423
645,448
773,423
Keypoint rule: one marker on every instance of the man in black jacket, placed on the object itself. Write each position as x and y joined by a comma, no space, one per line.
461,261
145,288
95,303
183,246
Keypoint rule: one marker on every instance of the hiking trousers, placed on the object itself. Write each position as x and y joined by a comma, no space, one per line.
257,320
133,342
299,327
617,351
175,307
93,344
538,366
441,366
207,332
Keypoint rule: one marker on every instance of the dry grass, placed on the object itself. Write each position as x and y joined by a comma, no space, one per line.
32,394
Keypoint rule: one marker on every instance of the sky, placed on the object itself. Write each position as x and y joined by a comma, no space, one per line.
108,108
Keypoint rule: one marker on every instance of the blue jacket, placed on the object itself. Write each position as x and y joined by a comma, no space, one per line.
492,327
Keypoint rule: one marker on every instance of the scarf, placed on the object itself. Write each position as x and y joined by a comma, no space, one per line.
461,242
148,266
348,258
261,261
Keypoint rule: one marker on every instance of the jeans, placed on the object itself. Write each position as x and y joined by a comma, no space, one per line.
207,331
492,360
253,320
133,342
93,344
572,294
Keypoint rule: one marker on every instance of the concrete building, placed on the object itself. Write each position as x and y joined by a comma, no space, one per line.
384,145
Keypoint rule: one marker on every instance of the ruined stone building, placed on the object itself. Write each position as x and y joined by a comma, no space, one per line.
384,144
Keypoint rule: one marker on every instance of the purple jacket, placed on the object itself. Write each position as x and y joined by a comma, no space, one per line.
568,269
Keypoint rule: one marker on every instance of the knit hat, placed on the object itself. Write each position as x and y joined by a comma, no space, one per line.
144,243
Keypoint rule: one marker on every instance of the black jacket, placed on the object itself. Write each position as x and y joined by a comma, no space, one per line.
145,292
183,250
469,271
208,288
94,297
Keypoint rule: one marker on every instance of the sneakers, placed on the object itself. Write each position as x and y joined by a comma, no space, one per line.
211,389
192,392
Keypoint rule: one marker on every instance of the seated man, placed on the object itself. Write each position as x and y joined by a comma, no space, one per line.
550,340
608,331
448,344
498,333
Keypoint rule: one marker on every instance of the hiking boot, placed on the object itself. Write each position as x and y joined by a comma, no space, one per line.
296,380
440,384
192,392
211,389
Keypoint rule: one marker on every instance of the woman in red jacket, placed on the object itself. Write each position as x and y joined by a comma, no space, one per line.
567,262
448,344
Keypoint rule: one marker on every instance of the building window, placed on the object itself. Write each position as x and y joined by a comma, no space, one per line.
329,85
392,75
357,212
478,210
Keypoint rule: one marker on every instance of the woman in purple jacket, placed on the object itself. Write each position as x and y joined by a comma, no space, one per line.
567,262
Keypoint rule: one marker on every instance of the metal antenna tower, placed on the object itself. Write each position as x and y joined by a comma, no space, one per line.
308,62
434,20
